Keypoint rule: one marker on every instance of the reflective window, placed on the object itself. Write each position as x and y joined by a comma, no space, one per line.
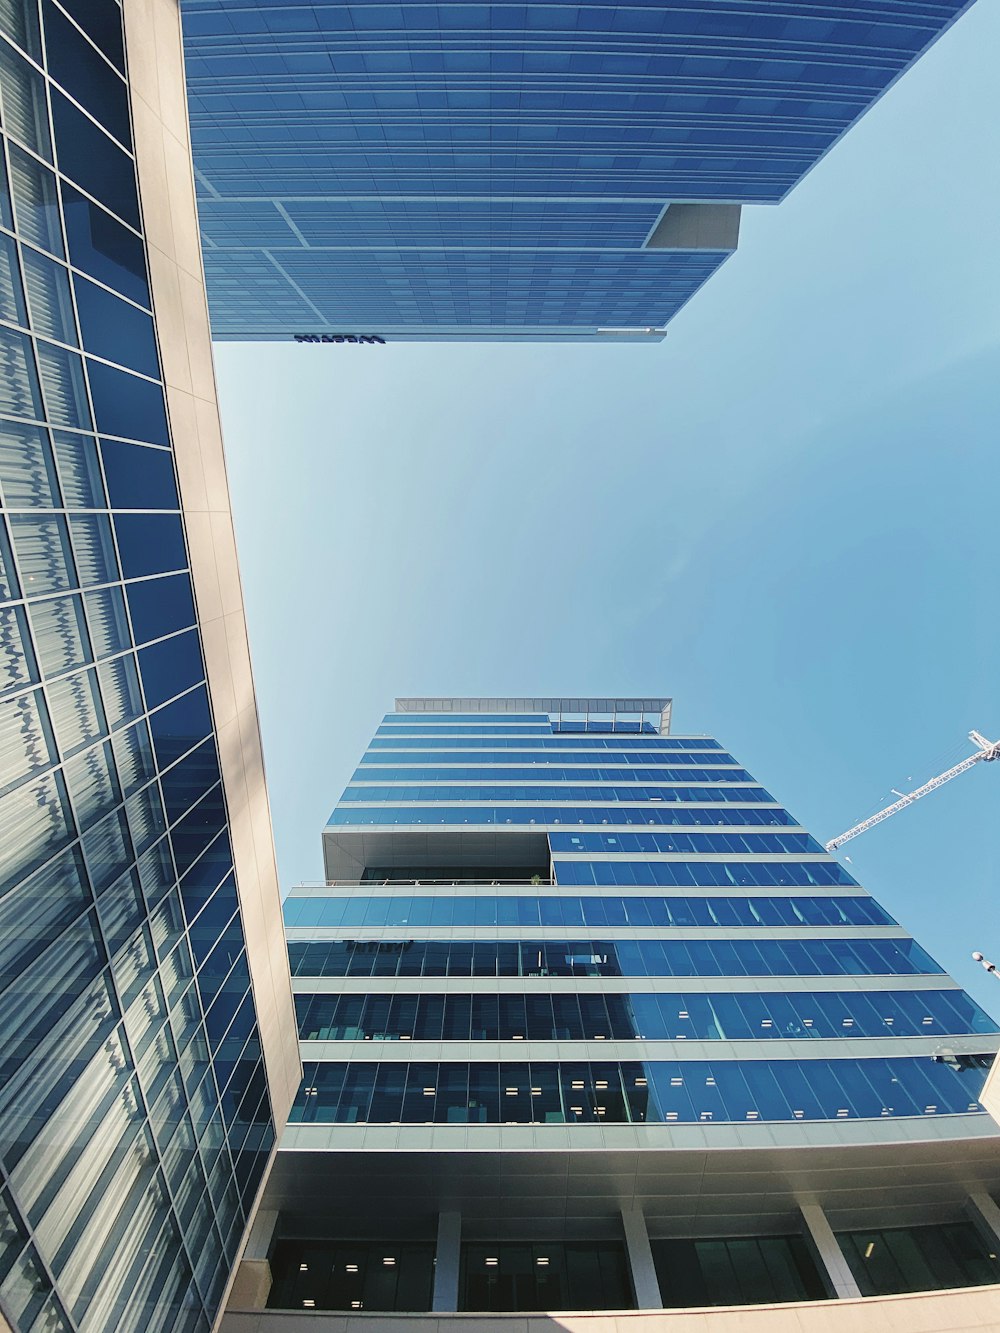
469,813
126,405
401,909
93,161
160,606
608,958
150,544
670,1016
95,84
25,113
115,330
662,1092
927,1258
352,1275
36,209
736,1270
49,297
548,1275
101,246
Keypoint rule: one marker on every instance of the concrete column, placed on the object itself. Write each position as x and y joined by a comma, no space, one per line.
448,1258
985,1214
827,1252
252,1283
640,1257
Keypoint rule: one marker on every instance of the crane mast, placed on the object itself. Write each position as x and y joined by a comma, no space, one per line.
988,750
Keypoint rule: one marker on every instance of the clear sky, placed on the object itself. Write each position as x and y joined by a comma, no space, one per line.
785,515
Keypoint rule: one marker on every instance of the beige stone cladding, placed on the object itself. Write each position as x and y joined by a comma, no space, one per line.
166,183
970,1308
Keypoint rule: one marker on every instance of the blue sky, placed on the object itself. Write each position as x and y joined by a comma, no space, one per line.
783,515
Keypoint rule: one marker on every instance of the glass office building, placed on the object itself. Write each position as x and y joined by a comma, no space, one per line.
506,170
146,1032
589,1021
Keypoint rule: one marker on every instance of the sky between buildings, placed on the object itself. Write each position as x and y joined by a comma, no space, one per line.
785,515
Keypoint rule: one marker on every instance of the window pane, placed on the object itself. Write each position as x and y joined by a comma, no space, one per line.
102,247
115,330
19,395
41,545
49,297
25,114
35,207
27,473
94,161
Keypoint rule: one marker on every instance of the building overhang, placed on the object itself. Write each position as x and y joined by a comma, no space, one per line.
572,1181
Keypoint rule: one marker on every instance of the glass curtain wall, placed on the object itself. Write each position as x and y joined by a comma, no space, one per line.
135,1122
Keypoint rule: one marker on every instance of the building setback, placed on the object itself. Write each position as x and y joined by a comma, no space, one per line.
147,1040
509,171
589,1021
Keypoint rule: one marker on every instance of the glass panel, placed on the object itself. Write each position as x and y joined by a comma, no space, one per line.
94,546
27,473
19,393
19,21
115,330
25,113
12,306
60,634
17,661
108,624
93,161
76,456
74,64
63,386
102,247
126,405
49,298
36,210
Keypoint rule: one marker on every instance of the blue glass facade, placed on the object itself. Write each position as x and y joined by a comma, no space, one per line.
454,170
428,880
135,1116
610,1046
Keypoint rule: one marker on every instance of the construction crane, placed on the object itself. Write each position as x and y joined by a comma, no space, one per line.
988,750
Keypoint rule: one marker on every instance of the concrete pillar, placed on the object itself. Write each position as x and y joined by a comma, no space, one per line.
447,1260
827,1252
252,1283
640,1257
985,1214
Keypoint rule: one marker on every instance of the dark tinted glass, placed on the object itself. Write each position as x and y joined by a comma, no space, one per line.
160,606
921,1258
150,544
346,1275
188,781
139,478
101,20
204,877
125,405
35,209
197,829
115,330
179,726
735,1271
101,246
75,65
91,159
169,667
